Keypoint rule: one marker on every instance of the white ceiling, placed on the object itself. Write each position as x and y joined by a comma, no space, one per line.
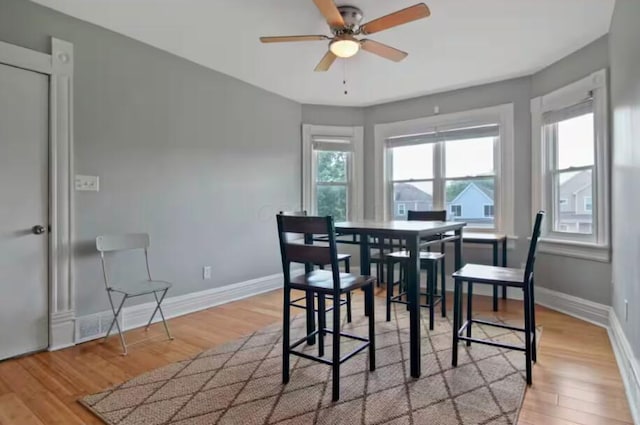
463,43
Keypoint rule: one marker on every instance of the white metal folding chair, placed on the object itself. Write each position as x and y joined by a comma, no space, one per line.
131,289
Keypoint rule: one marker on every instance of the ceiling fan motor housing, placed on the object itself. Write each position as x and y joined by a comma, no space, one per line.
351,15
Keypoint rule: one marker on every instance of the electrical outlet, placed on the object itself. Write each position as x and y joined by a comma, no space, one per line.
206,272
87,183
626,310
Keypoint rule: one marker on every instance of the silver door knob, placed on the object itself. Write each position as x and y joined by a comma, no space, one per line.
38,230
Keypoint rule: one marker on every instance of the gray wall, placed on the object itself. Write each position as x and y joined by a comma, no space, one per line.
582,278
625,100
332,115
198,159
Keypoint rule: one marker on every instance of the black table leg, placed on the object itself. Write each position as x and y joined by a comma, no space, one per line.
494,245
504,264
458,249
365,262
413,291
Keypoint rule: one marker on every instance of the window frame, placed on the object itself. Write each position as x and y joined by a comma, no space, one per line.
594,246
484,210
404,209
584,203
353,136
451,210
502,115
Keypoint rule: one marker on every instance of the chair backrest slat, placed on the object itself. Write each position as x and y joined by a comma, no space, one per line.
107,243
304,225
535,235
300,253
438,215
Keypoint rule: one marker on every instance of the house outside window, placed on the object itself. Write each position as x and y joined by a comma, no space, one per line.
570,168
488,210
402,210
332,171
588,203
455,210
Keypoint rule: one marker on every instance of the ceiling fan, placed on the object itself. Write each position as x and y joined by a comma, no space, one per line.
344,22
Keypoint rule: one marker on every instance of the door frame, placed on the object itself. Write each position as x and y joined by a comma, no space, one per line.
58,66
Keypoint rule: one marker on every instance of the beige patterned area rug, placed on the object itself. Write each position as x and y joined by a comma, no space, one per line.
240,382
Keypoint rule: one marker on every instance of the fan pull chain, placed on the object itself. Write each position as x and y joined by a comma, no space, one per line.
344,77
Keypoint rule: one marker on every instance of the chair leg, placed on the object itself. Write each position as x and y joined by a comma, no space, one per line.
431,275
286,323
469,310
116,313
532,302
347,269
527,331
372,330
322,319
390,268
159,309
335,360
311,316
456,321
443,294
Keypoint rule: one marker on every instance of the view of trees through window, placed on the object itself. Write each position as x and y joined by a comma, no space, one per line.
332,184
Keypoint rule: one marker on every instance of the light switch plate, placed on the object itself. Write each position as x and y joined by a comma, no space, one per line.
87,183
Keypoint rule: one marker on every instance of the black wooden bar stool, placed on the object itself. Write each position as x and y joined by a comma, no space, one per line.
322,283
346,258
428,261
502,276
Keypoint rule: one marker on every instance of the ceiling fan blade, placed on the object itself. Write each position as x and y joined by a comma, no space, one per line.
400,17
287,38
326,61
330,12
383,50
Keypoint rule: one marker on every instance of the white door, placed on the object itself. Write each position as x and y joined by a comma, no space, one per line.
24,120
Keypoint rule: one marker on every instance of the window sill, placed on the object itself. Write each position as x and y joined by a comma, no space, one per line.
582,250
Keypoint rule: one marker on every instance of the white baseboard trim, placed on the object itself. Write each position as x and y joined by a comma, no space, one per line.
95,325
627,363
61,330
582,309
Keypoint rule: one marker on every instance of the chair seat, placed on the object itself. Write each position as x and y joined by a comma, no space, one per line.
424,255
342,257
141,287
322,281
490,274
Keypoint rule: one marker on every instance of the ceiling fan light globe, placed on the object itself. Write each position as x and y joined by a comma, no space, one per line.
344,48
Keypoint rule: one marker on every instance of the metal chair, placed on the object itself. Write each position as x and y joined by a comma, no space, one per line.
502,276
321,282
131,289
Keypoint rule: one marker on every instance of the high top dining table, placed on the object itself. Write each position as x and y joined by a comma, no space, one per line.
414,233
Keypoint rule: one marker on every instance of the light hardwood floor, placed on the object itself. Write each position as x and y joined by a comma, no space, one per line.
576,380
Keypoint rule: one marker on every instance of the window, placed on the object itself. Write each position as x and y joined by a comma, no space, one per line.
452,169
332,183
332,171
402,210
569,136
462,158
570,168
